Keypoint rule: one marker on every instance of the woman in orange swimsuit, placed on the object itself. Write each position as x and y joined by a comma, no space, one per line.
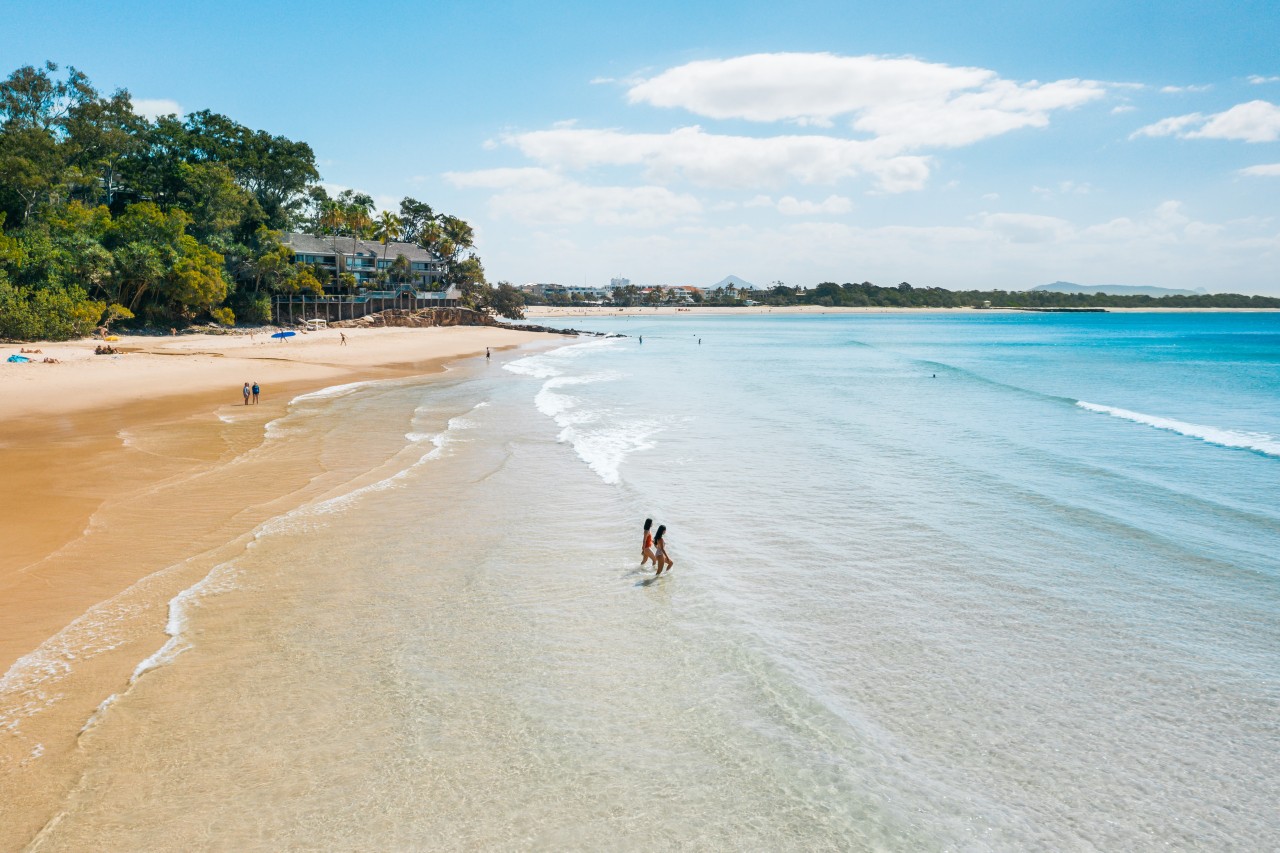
646,548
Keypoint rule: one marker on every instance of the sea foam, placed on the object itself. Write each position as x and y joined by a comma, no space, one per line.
1259,442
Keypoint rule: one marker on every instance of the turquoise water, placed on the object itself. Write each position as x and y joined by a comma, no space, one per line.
992,582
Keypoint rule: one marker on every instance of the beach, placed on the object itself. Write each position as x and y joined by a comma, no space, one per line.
117,468
980,580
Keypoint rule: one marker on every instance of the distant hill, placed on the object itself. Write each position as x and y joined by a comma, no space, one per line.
733,281
1116,289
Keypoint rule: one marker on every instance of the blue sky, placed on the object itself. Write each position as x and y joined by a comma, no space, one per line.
983,144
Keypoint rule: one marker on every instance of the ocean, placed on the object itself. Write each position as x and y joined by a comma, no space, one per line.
941,582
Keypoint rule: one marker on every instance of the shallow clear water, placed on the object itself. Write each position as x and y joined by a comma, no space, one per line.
958,583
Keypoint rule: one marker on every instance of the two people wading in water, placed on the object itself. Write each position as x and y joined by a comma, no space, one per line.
654,548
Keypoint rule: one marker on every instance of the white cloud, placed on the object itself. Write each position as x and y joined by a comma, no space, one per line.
1258,79
831,205
725,161
1255,121
1122,108
1064,188
1178,90
1026,227
544,197
914,102
1266,170
153,108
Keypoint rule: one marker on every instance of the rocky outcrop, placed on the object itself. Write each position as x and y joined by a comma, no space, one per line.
421,318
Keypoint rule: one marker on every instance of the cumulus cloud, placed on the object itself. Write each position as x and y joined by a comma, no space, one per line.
1255,121
1266,170
724,161
894,110
909,99
544,197
153,108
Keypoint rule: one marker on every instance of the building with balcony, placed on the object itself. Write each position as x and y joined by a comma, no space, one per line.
365,259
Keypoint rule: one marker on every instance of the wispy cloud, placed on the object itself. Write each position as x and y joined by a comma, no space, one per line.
1265,170
830,206
544,197
1258,79
1255,121
1178,90
153,108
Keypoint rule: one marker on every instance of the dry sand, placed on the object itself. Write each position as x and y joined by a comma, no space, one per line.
122,488
64,427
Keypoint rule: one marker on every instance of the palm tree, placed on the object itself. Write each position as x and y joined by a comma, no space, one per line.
388,226
332,217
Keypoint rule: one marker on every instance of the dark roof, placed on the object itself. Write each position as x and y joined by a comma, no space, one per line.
312,245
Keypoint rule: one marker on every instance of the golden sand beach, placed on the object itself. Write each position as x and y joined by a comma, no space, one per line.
121,483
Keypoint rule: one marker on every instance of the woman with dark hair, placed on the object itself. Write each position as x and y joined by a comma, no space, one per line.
660,550
646,547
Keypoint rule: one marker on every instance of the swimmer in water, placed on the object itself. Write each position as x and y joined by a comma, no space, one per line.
660,550
646,545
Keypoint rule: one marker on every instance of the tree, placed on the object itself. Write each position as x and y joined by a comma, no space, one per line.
387,229
506,301
414,217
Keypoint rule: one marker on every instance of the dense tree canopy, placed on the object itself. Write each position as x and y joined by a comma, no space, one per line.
106,215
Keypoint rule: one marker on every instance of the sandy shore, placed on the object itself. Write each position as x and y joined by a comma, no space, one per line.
65,427
125,481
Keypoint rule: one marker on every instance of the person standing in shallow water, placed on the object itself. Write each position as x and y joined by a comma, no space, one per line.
661,559
247,392
256,389
646,545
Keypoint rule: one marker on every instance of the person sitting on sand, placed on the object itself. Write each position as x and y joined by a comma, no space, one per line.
660,550
247,392
646,546
256,389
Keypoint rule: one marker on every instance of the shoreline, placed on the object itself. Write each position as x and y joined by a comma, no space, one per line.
557,311
67,430
130,477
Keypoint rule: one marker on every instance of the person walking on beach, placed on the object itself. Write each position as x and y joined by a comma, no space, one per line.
486,353
256,389
343,335
660,550
247,392
646,546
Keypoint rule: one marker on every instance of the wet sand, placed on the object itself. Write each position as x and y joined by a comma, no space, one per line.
127,478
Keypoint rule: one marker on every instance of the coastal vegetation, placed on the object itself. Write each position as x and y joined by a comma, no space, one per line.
108,216
904,295
829,294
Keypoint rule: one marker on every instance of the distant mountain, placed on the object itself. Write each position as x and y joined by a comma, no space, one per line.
1117,289
733,281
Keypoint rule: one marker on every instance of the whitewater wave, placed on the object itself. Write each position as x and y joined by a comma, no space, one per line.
1258,442
599,436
